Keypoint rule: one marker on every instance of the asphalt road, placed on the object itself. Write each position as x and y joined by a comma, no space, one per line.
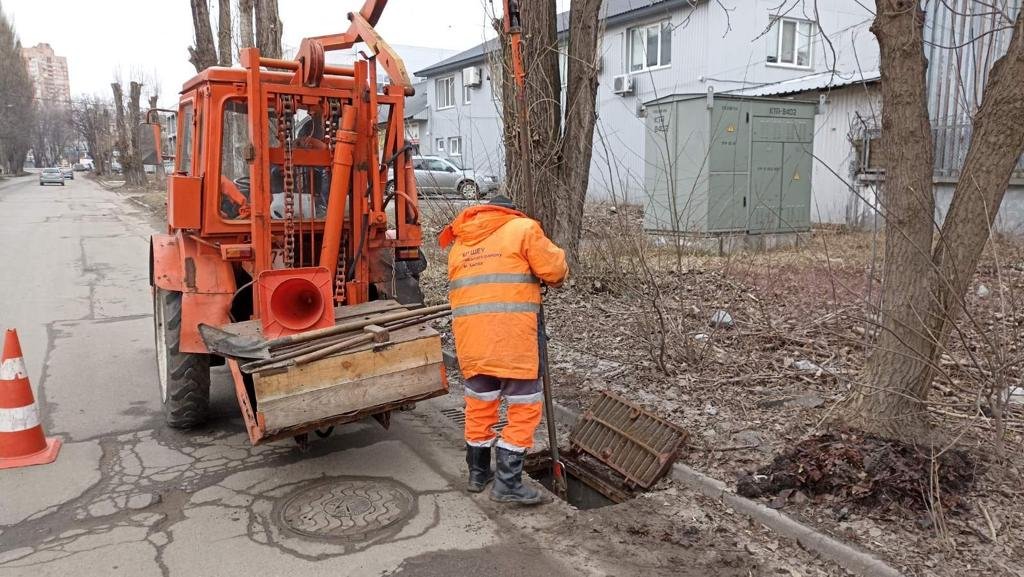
128,496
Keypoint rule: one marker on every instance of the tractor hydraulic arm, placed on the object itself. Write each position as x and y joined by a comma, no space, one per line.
360,29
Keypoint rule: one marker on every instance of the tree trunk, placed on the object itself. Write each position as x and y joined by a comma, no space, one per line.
127,121
891,401
544,99
245,16
923,287
997,142
580,117
268,29
204,54
224,50
134,172
560,147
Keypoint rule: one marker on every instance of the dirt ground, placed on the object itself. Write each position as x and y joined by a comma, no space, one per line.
752,353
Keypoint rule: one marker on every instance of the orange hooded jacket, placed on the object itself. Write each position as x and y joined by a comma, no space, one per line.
495,266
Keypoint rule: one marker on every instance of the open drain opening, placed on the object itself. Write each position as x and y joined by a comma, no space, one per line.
590,485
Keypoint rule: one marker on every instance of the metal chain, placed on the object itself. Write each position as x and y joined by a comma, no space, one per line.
284,126
331,123
339,275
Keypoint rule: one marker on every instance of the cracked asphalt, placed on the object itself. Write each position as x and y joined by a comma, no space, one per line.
128,496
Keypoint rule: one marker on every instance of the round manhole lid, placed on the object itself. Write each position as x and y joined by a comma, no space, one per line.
346,508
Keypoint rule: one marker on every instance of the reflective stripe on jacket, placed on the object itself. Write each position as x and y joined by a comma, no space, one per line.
495,266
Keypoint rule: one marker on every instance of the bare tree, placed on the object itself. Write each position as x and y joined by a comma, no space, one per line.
268,29
52,133
926,275
128,118
90,118
203,54
560,144
17,110
262,13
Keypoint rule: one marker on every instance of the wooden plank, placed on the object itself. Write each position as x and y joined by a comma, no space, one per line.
254,327
409,348
349,397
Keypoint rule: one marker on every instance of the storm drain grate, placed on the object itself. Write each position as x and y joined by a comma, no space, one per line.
458,416
628,439
347,508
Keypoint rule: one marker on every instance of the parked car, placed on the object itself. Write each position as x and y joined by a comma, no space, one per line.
437,176
78,167
51,176
68,173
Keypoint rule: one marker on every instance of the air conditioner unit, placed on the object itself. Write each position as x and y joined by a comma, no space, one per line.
622,84
471,76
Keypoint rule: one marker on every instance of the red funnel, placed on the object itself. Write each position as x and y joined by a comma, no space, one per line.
297,304
295,300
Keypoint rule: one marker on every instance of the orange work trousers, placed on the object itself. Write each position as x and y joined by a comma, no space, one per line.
525,399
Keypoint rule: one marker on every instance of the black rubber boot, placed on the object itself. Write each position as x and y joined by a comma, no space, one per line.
508,481
479,461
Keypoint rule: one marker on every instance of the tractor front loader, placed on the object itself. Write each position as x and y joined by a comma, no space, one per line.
279,230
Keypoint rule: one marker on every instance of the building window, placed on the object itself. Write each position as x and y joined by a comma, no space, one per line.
455,146
789,42
650,46
439,145
445,92
467,94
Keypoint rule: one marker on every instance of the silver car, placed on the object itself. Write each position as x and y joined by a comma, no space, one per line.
437,176
51,176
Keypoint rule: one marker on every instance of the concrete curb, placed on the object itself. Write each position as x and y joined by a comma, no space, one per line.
850,558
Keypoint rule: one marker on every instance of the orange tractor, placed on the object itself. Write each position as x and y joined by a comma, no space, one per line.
280,233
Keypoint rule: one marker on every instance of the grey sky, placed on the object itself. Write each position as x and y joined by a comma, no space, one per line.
129,37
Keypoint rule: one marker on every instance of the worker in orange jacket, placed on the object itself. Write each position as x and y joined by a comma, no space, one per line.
498,259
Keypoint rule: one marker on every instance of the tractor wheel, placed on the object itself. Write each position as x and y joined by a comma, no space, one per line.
184,377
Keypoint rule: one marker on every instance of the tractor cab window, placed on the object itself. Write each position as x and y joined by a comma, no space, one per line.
187,122
311,185
234,169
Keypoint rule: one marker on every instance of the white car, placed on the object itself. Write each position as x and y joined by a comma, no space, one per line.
437,176
51,176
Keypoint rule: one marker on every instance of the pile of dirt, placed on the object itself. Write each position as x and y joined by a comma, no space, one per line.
858,469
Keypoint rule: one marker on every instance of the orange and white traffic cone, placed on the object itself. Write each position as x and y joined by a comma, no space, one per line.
22,442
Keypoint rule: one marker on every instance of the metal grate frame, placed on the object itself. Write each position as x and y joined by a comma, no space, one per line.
630,440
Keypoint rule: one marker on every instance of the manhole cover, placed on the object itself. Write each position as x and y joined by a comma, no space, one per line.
346,508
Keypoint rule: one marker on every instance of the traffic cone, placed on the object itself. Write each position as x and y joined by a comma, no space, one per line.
22,442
